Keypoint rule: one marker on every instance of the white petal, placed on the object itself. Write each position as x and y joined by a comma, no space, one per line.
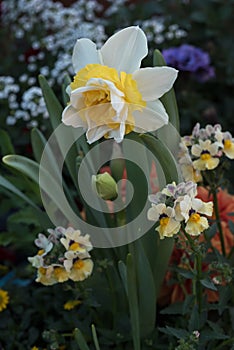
153,117
154,82
96,133
71,117
196,150
84,52
118,134
125,49
153,214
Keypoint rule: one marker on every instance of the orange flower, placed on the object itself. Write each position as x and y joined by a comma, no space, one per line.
225,202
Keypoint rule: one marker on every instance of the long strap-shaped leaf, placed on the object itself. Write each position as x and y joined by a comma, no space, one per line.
10,187
164,156
6,145
146,289
163,249
39,144
49,185
133,302
80,340
168,99
55,112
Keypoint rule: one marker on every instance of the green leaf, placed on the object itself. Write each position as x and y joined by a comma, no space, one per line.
176,332
146,290
95,339
80,340
164,156
6,145
38,142
123,275
40,145
194,321
135,174
47,183
5,239
66,82
10,187
173,309
163,253
168,99
207,283
133,302
24,165
54,107
63,133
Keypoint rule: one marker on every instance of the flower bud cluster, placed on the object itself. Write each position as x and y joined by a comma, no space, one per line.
63,255
176,207
204,150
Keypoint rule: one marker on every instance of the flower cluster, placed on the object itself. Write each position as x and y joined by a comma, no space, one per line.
204,150
191,59
157,32
176,207
63,255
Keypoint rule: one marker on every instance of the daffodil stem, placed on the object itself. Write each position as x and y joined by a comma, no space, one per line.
217,217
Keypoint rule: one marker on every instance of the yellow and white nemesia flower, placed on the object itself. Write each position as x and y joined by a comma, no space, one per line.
78,269
110,95
65,256
190,209
168,226
74,241
206,152
205,149
176,207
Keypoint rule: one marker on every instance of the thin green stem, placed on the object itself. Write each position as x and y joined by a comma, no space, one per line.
217,217
197,287
214,182
198,260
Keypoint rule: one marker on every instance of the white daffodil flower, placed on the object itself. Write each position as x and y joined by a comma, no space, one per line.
110,95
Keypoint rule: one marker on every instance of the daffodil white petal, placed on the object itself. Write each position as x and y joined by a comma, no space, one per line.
153,117
70,116
96,133
85,52
125,49
154,82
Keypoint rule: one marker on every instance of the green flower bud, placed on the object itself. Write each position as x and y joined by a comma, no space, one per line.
105,186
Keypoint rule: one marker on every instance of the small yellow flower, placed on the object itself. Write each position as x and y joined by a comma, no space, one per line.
196,224
4,299
71,304
34,348
168,227
81,269
228,148
206,152
60,274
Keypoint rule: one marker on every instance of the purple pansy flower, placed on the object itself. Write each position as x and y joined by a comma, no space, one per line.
191,59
